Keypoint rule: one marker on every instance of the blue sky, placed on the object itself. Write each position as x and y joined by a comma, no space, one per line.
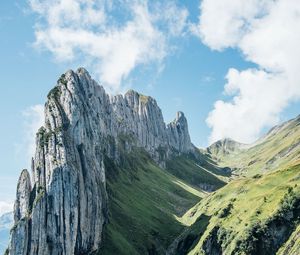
188,74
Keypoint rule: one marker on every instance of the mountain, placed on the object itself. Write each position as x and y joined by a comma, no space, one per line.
279,148
258,211
6,222
225,147
102,176
109,176
258,215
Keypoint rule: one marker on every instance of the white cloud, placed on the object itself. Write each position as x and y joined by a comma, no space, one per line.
266,33
257,100
224,22
33,119
110,37
6,207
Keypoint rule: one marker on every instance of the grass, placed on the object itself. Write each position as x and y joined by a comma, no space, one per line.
187,240
278,149
188,170
144,99
144,201
252,201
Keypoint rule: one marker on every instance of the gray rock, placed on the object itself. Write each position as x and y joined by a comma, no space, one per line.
178,134
66,208
23,196
20,234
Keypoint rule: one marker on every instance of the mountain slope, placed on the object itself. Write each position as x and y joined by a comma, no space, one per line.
207,178
109,176
225,147
64,206
248,216
280,147
144,200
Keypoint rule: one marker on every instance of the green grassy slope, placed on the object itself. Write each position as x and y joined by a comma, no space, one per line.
279,148
170,211
194,174
223,148
248,216
144,203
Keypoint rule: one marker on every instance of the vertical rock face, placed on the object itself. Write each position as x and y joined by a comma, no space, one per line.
19,241
23,196
65,209
179,137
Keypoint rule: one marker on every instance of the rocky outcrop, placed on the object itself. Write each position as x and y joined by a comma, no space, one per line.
22,202
19,241
178,133
65,209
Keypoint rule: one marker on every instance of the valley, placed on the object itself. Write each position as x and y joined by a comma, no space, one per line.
110,177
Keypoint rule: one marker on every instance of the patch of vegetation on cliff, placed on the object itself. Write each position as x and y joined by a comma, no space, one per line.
54,93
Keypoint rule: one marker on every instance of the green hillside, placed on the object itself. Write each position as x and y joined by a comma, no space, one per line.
145,202
230,199
255,215
279,148
192,171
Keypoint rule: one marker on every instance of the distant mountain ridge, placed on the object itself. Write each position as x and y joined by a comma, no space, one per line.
6,223
6,220
224,147
278,148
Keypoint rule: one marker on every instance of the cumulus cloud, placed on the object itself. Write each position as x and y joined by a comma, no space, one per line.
266,33
110,37
33,119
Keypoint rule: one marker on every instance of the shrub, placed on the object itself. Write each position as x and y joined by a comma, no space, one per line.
225,211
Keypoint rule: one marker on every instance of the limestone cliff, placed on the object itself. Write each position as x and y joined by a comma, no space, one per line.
64,209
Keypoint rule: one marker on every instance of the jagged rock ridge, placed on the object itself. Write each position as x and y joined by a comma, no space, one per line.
64,209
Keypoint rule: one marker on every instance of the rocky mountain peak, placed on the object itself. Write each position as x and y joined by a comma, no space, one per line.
132,94
23,196
180,117
179,134
83,125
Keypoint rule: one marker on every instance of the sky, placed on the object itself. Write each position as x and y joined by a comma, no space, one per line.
230,65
